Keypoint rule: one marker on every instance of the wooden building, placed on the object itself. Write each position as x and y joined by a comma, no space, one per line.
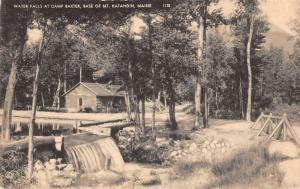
95,97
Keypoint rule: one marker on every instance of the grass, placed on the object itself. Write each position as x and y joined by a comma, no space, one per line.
249,167
185,169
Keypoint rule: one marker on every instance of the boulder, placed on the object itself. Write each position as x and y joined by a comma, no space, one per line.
291,173
174,153
204,150
151,180
39,166
61,166
283,149
193,147
50,166
53,161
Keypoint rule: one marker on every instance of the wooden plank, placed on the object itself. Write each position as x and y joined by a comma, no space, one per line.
276,128
292,131
271,116
263,127
258,120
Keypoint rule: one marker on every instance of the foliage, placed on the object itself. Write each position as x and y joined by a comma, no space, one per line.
12,168
144,150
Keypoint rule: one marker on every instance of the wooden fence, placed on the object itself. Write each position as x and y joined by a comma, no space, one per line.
278,127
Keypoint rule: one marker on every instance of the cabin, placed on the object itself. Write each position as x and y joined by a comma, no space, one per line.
95,97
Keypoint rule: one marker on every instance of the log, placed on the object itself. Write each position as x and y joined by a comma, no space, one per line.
23,144
94,123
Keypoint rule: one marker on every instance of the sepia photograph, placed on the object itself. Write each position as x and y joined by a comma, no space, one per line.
158,94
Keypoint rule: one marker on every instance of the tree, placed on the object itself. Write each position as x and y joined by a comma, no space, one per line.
198,11
175,56
34,100
249,28
221,62
13,37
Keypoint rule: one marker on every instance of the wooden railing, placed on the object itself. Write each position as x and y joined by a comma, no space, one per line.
278,127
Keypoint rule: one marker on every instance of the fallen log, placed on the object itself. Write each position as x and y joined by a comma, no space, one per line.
95,123
23,144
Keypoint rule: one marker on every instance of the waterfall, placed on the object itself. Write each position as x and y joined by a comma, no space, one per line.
93,157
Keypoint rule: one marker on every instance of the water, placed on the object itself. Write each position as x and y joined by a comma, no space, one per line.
92,157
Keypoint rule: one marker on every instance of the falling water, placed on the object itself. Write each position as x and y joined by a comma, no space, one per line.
92,157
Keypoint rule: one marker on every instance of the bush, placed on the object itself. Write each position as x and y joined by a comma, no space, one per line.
12,168
88,110
144,150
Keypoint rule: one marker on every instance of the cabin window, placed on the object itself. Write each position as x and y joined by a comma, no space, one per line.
80,101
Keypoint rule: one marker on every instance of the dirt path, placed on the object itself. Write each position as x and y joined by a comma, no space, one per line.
235,135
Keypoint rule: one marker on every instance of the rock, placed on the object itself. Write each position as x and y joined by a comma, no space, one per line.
218,145
61,166
223,150
69,168
212,146
52,161
214,141
284,149
59,160
151,180
204,150
174,153
193,147
177,143
222,144
291,173
38,166
50,166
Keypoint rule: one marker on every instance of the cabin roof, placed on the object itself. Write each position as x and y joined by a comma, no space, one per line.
99,89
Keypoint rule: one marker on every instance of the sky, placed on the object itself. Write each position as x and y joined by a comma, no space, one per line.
278,12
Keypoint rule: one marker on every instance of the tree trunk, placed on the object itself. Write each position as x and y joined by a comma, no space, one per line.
172,105
241,98
56,100
8,102
165,100
153,71
249,100
143,112
197,104
216,101
158,100
153,107
201,60
137,119
15,104
32,122
33,110
43,100
205,108
128,105
80,74
65,78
